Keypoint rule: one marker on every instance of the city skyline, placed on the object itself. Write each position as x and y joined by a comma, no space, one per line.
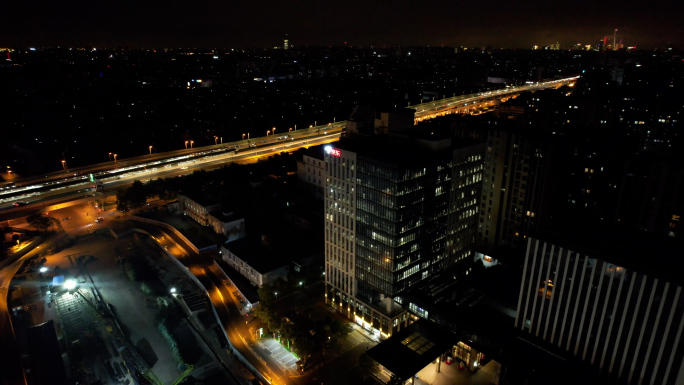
503,25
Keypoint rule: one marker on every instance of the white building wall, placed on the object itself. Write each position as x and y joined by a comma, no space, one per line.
619,320
340,218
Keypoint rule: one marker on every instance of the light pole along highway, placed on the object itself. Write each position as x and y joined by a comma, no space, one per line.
270,141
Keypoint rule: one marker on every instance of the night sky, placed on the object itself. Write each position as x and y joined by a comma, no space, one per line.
214,23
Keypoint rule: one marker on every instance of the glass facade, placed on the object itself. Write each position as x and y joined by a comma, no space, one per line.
401,216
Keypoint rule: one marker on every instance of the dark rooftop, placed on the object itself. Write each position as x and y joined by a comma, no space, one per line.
202,199
621,245
405,149
411,349
225,216
259,256
315,152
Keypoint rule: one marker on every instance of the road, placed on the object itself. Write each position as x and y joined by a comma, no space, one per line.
78,187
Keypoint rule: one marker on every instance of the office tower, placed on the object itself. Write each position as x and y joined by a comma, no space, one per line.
518,182
398,208
286,43
613,300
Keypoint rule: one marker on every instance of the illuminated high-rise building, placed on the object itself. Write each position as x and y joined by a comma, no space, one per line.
399,207
286,43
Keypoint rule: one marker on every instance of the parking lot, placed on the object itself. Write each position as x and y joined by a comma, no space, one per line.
284,358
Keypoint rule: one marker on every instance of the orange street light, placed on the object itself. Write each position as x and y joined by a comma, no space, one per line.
274,130
115,155
110,156
150,150
64,164
186,144
215,140
243,136
191,143
268,132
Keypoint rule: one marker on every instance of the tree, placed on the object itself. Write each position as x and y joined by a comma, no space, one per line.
131,198
43,222
338,330
137,194
122,203
266,295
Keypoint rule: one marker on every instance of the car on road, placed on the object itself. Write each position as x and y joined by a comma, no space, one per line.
17,204
99,219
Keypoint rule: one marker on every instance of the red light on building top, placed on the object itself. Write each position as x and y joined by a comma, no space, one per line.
332,151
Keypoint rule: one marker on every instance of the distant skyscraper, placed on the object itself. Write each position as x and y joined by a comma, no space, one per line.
286,43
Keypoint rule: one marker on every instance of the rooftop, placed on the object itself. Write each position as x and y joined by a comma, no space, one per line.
315,152
621,245
405,149
259,256
225,216
202,199
411,349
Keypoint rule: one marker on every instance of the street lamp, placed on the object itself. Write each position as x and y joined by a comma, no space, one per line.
64,164
173,290
276,294
186,144
301,283
150,150
243,136
110,156
215,140
290,129
70,284
115,158
273,130
268,132
191,143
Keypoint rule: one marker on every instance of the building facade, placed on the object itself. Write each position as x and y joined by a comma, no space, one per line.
227,224
311,172
625,323
517,180
393,217
197,208
255,270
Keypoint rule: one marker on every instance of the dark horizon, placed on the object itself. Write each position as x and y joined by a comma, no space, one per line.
382,23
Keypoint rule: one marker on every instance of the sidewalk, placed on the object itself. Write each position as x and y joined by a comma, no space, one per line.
355,327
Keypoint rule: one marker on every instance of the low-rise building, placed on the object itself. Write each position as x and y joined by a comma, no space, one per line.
256,261
197,207
311,171
231,225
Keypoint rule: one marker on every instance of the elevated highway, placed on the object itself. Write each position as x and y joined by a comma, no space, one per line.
76,183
